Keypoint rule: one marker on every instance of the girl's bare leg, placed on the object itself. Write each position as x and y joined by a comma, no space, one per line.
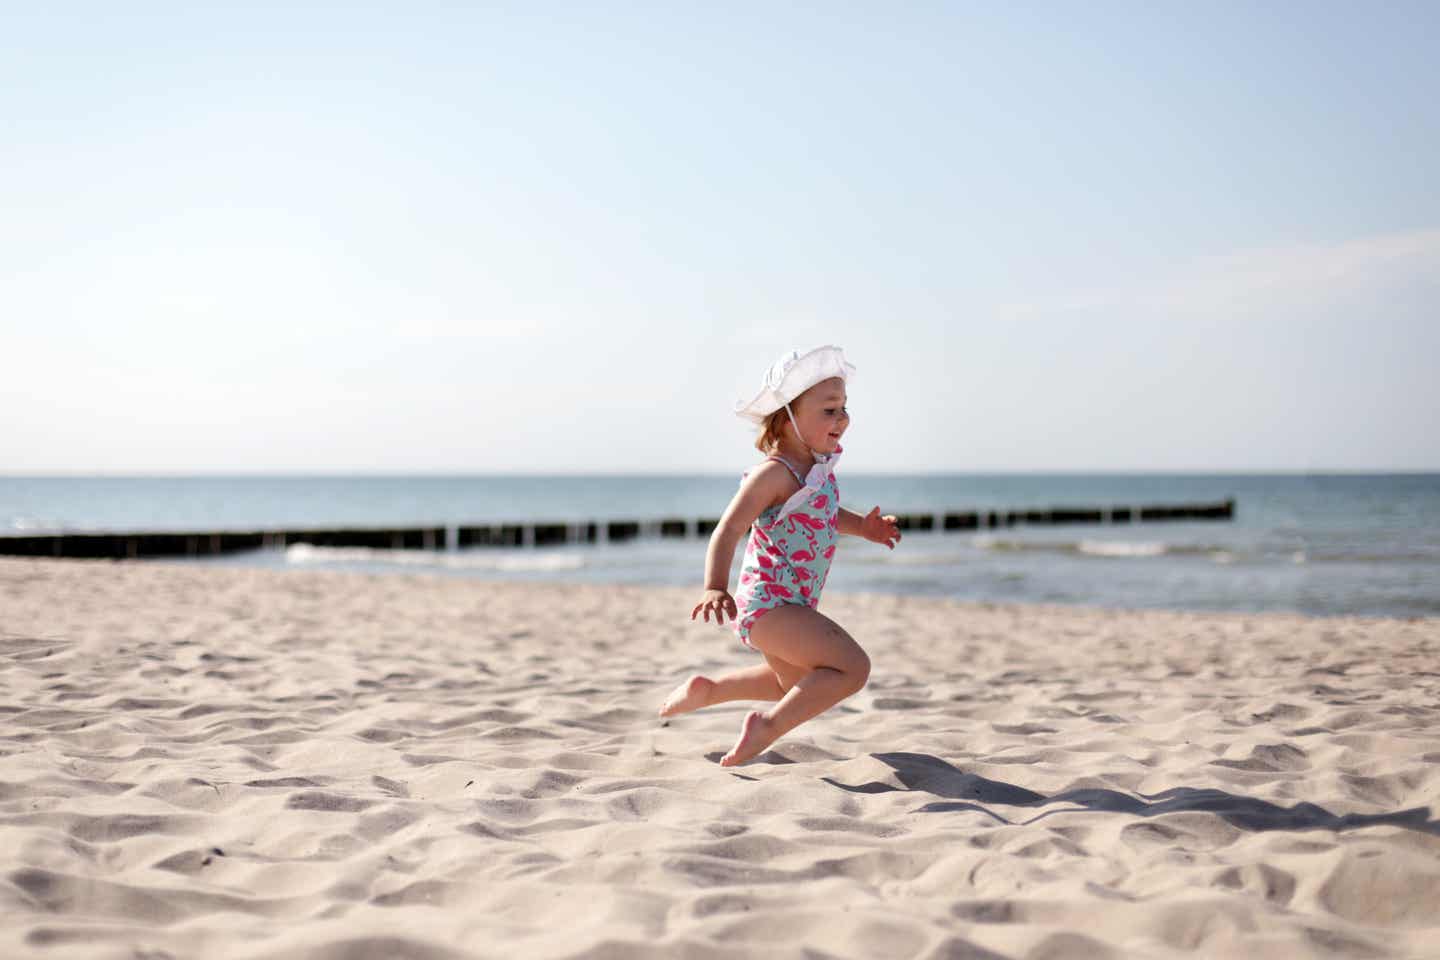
761,682
808,640
752,683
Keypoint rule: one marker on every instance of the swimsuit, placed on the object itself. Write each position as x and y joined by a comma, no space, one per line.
787,557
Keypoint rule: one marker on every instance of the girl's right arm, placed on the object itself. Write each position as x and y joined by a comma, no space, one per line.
768,484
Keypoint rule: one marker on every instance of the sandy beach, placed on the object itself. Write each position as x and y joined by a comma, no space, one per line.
210,762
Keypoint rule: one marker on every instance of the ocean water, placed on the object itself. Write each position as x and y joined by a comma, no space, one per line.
1317,544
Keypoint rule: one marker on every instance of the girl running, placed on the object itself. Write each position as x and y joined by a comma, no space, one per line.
790,504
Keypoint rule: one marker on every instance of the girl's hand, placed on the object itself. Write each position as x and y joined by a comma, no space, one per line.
878,529
717,601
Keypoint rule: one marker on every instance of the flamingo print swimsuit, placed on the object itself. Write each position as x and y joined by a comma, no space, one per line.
787,557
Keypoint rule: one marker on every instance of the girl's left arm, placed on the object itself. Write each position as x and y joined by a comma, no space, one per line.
872,526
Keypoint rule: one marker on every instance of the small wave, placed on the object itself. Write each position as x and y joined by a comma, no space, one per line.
510,562
1090,548
1006,545
1119,548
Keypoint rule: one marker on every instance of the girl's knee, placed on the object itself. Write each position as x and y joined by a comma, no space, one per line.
854,666
852,660
859,672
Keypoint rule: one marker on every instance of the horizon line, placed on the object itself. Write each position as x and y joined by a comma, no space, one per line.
438,474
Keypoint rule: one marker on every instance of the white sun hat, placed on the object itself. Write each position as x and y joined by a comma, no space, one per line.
791,376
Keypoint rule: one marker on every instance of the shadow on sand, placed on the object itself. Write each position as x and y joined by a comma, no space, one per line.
959,790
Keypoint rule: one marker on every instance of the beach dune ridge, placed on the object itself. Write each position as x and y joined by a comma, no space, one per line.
228,762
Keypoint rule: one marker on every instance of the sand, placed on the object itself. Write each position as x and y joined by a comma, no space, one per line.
200,761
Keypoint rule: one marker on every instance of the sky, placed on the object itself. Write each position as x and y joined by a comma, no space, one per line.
555,238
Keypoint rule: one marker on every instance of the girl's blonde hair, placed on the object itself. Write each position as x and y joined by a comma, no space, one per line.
768,441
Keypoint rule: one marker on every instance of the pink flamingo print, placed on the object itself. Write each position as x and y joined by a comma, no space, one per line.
813,524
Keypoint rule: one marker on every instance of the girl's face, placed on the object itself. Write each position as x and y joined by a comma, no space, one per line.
820,415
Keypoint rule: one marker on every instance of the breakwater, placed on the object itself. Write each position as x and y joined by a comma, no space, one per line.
131,544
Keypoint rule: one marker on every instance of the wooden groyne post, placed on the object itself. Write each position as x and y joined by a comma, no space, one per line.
126,545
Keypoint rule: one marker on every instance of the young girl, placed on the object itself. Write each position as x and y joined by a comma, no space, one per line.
791,506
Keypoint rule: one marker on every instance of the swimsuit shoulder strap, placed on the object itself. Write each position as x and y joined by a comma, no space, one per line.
798,479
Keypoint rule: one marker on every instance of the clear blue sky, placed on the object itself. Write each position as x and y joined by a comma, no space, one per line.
411,237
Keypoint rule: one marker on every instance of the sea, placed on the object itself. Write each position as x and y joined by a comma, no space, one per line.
1319,544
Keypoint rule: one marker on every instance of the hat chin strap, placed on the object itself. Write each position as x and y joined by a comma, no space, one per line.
819,457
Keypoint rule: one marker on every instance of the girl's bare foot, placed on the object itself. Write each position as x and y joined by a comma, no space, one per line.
756,733
690,695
